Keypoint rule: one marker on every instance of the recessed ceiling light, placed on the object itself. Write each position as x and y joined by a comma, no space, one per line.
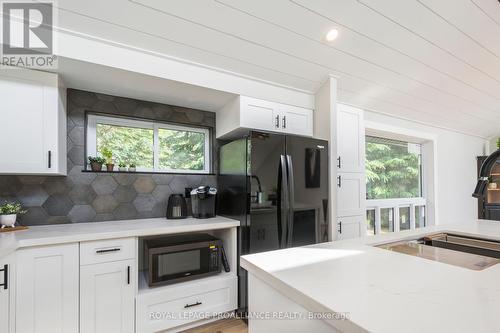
332,35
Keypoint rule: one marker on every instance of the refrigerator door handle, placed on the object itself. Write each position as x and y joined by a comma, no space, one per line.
282,202
291,200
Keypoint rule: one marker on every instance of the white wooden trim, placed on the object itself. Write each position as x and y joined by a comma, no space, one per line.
395,204
92,121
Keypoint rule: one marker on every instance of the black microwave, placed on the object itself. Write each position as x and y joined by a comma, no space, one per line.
181,258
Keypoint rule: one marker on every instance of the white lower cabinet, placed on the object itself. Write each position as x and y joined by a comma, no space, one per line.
47,289
349,226
107,297
351,193
7,295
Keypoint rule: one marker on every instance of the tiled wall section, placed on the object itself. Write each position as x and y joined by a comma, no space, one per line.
87,197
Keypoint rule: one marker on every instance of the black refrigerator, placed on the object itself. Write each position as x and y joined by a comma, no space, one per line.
277,187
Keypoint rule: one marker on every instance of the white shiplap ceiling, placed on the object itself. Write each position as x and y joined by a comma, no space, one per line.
432,61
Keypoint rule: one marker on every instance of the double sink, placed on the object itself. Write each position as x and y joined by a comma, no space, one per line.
458,250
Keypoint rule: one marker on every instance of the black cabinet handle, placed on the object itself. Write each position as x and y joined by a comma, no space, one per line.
5,271
340,227
284,121
339,163
191,305
339,181
107,250
277,124
128,274
50,159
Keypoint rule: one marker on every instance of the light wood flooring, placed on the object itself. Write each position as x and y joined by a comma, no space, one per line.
221,326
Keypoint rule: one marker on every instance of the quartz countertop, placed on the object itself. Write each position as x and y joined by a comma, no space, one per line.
383,291
80,232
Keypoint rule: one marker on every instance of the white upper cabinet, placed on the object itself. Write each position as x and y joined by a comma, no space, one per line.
350,139
32,123
47,289
245,113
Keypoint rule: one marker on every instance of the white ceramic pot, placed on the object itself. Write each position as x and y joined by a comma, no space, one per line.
492,186
8,220
122,168
131,169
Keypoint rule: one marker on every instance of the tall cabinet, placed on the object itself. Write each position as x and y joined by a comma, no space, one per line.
7,294
350,172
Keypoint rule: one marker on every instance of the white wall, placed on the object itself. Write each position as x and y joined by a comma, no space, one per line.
455,168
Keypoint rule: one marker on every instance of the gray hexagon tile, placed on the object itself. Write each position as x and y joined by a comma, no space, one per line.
144,184
58,205
125,178
104,217
79,177
57,185
144,202
162,179
31,180
162,192
77,135
82,98
125,212
32,195
58,220
76,155
9,186
82,194
125,194
82,213
34,216
104,184
77,115
178,184
104,204
160,209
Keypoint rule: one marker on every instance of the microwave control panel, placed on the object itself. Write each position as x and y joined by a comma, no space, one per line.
214,257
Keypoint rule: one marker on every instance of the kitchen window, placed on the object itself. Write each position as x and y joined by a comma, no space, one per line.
394,185
151,146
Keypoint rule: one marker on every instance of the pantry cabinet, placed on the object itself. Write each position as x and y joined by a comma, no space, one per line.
107,297
47,289
32,123
245,113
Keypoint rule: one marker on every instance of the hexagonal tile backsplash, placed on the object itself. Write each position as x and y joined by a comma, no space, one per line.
92,197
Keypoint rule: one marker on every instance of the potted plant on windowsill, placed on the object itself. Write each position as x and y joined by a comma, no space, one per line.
491,184
122,166
132,167
108,155
96,163
9,212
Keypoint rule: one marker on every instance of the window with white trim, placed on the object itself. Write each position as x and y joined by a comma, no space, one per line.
394,185
150,146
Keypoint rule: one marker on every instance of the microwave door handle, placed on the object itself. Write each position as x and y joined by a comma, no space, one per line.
291,200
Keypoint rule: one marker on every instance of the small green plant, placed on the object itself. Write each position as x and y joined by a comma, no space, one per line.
107,154
122,165
132,165
498,143
97,159
9,208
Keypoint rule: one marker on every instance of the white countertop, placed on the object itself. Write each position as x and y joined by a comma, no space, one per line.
80,232
384,291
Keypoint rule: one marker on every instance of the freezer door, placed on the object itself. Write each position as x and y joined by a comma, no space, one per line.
307,163
266,201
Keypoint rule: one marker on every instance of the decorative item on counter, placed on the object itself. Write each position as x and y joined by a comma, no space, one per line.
131,167
96,163
498,143
108,155
9,212
491,184
176,207
122,166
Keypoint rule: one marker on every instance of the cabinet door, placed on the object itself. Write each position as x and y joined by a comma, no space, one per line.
47,289
6,295
350,139
260,115
107,297
349,227
32,123
351,194
295,120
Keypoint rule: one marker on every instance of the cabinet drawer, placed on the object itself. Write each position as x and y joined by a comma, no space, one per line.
107,250
181,304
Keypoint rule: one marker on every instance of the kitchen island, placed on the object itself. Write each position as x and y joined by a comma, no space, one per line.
354,286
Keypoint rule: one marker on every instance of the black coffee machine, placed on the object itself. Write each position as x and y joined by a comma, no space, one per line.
203,202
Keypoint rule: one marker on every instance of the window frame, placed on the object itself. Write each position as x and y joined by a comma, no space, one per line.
91,139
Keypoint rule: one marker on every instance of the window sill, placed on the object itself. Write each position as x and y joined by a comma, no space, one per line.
154,173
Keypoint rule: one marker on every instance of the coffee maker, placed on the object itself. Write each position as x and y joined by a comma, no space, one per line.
203,202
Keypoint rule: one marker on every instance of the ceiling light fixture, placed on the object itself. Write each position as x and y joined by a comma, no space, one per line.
332,35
